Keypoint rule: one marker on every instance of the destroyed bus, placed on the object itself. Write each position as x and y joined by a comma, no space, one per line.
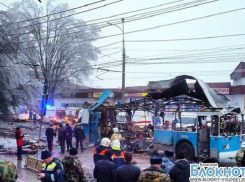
212,129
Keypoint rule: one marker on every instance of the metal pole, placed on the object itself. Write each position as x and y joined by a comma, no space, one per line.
123,65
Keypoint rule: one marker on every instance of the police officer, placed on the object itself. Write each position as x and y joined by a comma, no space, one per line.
52,169
240,158
154,172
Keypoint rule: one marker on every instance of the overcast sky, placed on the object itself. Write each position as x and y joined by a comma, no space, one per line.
170,55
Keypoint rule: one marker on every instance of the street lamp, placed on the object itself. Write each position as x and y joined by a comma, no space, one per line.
123,60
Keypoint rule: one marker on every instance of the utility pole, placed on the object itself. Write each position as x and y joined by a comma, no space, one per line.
123,60
123,66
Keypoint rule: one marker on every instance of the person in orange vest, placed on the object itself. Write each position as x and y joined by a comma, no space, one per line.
118,154
99,151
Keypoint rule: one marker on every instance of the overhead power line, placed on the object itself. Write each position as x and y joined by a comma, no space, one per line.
140,16
155,27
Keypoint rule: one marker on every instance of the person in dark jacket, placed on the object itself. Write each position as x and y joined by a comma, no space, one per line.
154,173
167,161
128,172
80,136
19,140
52,169
50,133
100,150
181,170
68,137
62,137
105,169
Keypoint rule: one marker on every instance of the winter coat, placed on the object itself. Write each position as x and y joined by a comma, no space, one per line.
19,138
180,171
68,133
167,164
79,134
61,134
54,171
50,133
73,169
99,153
153,174
128,172
104,170
118,158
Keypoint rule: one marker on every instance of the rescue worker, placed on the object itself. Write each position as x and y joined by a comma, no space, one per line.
99,151
19,140
79,136
73,167
50,133
52,169
118,154
240,157
116,135
104,169
154,173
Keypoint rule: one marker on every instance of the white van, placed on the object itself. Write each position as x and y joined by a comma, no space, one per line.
55,115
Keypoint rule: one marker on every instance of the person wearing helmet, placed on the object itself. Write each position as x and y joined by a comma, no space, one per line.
118,154
240,158
99,151
116,135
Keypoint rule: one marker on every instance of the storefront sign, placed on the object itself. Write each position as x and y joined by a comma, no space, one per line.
225,91
97,94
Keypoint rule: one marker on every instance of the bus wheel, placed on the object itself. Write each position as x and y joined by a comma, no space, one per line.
187,149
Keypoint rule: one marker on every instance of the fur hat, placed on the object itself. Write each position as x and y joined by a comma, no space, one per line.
156,160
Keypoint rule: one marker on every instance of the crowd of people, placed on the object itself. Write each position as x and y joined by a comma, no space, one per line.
115,165
65,135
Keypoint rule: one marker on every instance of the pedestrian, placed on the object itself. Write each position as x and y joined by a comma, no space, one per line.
73,167
167,161
240,157
154,173
105,169
34,119
52,169
19,140
50,133
99,151
79,136
128,172
68,137
118,154
109,132
61,138
116,135
181,170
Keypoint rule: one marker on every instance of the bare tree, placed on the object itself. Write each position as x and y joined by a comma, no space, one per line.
59,43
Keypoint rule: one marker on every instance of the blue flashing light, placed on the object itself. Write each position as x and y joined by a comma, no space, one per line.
48,106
